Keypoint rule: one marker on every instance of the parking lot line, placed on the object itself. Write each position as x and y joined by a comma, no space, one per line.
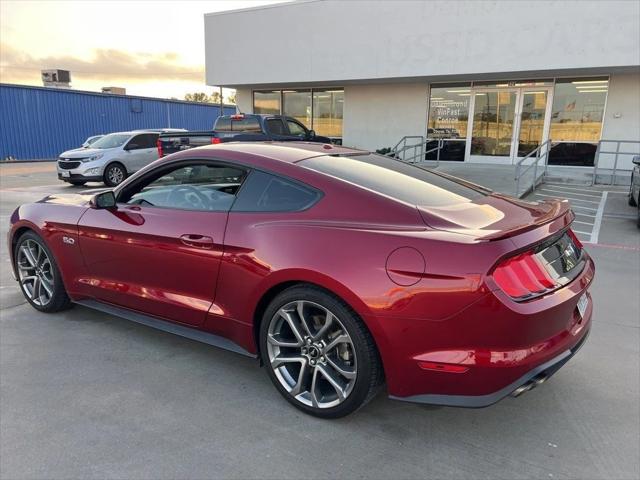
575,189
568,197
585,208
572,193
584,223
598,221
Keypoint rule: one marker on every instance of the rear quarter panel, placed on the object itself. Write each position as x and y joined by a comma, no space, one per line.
342,244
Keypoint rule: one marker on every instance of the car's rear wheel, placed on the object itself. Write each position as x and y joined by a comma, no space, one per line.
39,275
114,174
318,353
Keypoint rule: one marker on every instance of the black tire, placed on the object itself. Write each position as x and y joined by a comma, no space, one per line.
369,375
58,300
77,183
114,174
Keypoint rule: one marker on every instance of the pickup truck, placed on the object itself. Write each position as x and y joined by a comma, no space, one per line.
240,128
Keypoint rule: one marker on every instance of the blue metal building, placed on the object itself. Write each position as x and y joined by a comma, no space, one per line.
40,123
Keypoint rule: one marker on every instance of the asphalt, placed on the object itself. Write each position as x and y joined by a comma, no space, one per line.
87,395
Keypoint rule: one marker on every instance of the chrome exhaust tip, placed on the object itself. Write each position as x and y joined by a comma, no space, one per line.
530,385
522,389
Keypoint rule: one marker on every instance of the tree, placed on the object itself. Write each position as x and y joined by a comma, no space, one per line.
232,98
215,97
197,97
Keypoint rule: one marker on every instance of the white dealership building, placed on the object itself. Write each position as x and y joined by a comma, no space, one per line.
491,80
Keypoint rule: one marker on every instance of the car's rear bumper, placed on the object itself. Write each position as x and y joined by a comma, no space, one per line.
526,382
489,349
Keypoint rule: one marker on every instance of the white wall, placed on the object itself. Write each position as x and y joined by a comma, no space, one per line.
244,100
622,118
325,41
378,116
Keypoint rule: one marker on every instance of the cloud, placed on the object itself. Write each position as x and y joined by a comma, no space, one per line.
106,64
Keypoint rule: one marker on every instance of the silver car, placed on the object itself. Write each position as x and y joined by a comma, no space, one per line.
111,158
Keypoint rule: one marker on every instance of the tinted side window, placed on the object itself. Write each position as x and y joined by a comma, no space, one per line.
275,126
295,128
188,187
264,192
145,140
148,140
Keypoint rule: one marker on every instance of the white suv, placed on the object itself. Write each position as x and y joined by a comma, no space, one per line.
110,159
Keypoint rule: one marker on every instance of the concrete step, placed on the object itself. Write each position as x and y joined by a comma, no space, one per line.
577,180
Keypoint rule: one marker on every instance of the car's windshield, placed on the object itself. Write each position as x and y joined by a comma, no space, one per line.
395,179
112,140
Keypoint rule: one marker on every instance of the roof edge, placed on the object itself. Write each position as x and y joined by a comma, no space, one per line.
260,7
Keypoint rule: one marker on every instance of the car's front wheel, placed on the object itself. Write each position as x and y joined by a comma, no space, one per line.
318,353
38,274
114,174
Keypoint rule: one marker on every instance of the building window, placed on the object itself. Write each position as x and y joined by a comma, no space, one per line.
318,109
297,104
448,120
267,102
327,112
576,120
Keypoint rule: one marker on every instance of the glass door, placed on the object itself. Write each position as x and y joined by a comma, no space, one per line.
493,125
507,123
533,120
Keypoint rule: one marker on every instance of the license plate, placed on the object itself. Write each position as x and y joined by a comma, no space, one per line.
582,304
64,174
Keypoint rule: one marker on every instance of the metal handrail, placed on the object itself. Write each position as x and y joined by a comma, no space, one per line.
520,173
418,149
617,152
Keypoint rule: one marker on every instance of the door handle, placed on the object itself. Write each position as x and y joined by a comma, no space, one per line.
195,240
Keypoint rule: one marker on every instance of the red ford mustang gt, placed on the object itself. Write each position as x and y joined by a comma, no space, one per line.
340,269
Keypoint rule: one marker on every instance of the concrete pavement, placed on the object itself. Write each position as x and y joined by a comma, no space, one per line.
87,395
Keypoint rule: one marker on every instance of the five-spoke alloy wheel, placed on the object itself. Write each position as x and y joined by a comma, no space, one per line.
319,354
114,175
38,274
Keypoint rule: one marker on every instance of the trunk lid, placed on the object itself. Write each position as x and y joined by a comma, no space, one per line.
495,216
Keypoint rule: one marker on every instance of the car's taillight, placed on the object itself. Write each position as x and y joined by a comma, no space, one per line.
159,145
523,276
547,267
215,140
576,241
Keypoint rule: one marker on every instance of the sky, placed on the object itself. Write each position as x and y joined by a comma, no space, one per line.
151,47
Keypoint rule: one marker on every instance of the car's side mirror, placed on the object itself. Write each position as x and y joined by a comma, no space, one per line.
103,200
131,146
311,134
636,159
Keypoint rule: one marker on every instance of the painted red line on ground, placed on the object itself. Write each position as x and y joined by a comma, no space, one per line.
613,245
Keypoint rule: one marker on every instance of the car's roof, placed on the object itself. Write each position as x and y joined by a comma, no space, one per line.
133,132
290,152
147,130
